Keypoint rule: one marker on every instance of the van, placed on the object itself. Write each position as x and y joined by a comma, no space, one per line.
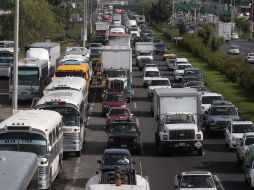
150,73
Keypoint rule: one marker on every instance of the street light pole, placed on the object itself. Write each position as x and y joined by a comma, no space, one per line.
15,61
252,20
85,23
91,16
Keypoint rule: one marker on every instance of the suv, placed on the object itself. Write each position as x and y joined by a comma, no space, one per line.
179,71
233,49
219,115
235,130
194,72
157,83
149,74
195,180
124,134
242,146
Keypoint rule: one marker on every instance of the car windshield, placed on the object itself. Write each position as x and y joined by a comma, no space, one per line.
160,83
180,118
146,60
116,74
194,83
197,181
115,97
182,67
251,54
123,128
152,74
234,47
193,72
210,99
28,76
23,142
96,45
117,112
116,159
69,74
6,58
223,111
242,128
160,46
249,140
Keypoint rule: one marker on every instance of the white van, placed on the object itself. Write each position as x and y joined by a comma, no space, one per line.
149,73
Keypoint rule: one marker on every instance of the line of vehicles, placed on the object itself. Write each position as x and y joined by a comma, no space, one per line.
183,108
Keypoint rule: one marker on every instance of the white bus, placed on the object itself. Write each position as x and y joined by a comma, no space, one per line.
6,60
70,104
39,132
67,83
32,78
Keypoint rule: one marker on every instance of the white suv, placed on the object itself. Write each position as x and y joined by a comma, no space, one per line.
233,49
179,71
149,74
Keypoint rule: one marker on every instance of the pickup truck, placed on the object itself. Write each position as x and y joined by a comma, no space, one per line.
242,146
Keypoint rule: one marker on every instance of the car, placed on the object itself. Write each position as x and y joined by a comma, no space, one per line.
234,36
242,145
167,53
249,58
235,130
219,115
179,71
124,134
195,72
113,99
233,49
149,74
171,63
191,31
149,65
199,85
192,180
116,158
118,113
159,48
157,83
143,60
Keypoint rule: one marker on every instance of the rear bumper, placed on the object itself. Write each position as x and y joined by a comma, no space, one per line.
182,145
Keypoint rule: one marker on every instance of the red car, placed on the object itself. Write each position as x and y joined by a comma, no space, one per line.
118,113
113,99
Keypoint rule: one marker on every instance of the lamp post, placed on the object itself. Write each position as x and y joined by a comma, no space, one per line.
91,16
15,61
85,23
252,20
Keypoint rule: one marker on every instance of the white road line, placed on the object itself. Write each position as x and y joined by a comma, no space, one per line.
92,104
219,182
137,122
74,179
91,108
135,105
78,160
88,118
76,169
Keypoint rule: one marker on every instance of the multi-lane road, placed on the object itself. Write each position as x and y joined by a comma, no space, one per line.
159,170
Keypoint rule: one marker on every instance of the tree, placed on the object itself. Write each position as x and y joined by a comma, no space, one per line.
55,2
160,12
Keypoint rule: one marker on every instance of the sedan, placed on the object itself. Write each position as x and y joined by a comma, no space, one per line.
113,99
249,58
233,49
118,113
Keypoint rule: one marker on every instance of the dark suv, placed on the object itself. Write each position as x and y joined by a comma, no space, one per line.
124,134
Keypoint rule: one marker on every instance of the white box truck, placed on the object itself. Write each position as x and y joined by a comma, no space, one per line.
177,120
223,29
53,51
144,48
117,69
119,39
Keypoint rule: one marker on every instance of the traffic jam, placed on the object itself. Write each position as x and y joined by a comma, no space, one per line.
125,113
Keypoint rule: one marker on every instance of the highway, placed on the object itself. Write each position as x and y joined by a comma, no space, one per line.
159,170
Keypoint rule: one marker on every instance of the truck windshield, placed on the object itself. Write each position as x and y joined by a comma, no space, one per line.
123,128
69,74
197,181
210,99
146,61
160,83
6,58
223,111
23,142
28,76
152,74
182,67
116,74
180,118
242,128
70,115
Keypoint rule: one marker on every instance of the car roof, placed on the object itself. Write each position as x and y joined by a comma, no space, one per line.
205,93
160,78
192,69
196,173
117,150
221,103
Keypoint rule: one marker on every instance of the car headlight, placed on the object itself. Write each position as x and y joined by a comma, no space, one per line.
123,106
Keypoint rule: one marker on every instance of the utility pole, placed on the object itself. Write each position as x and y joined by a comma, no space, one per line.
91,16
15,61
85,23
252,20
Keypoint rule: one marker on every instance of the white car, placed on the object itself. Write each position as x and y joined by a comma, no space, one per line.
207,99
157,83
179,71
195,180
249,58
149,74
149,65
234,36
235,130
233,49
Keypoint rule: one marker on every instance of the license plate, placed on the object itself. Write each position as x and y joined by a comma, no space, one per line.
181,144
123,145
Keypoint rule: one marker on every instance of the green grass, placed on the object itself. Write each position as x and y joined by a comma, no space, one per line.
217,82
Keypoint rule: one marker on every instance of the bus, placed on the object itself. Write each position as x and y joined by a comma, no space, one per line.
74,68
6,60
70,104
32,78
67,83
17,169
33,131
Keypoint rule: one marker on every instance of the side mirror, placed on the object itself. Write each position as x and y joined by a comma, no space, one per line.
99,161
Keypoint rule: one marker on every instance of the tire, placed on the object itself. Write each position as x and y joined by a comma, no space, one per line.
200,151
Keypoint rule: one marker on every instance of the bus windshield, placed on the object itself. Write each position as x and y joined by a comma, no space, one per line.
69,74
28,76
6,58
23,142
70,115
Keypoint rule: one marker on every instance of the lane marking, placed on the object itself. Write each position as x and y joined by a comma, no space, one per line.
135,105
219,182
92,104
76,169
78,160
88,118
137,122
74,179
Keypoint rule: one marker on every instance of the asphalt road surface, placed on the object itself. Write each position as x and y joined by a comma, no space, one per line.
159,170
245,47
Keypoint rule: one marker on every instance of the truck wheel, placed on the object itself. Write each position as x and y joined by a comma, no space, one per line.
201,151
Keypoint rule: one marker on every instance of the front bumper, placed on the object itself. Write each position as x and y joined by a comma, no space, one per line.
218,127
181,145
